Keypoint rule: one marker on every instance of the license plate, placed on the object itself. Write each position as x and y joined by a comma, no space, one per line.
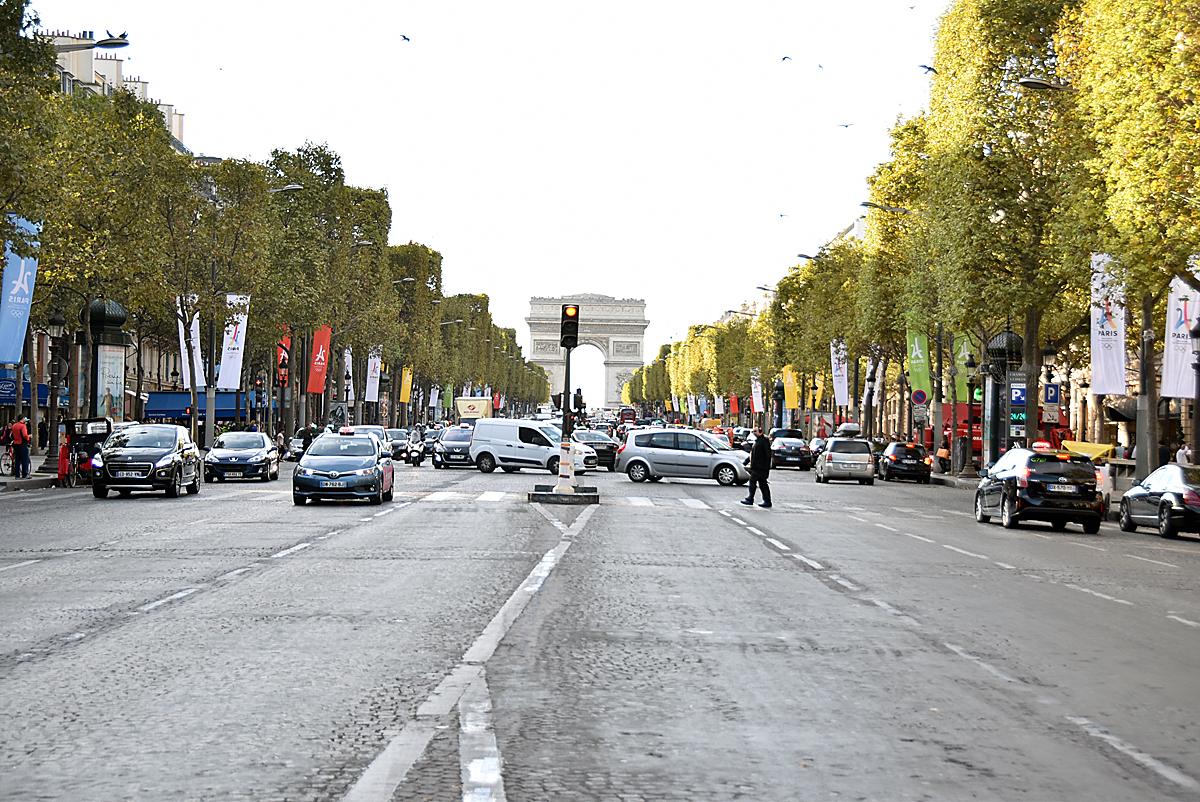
909,461
850,466
1061,488
129,474
328,483
234,474
456,456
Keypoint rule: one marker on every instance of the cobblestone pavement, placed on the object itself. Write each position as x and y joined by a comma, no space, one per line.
460,643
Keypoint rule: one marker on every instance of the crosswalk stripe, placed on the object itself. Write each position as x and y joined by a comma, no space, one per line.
491,495
694,503
639,501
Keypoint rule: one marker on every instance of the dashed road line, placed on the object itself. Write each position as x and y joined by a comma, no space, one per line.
480,764
739,521
844,583
1183,620
1005,565
1096,593
888,528
778,545
964,551
19,565
1169,773
756,531
382,513
919,537
233,573
145,608
1148,560
813,564
856,518
292,550
1087,545
986,666
726,513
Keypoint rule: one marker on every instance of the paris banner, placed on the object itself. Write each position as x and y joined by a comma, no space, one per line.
918,364
196,356
841,382
319,365
20,275
1108,330
234,344
1183,308
374,366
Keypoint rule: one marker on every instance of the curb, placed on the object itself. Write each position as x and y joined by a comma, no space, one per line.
36,483
948,480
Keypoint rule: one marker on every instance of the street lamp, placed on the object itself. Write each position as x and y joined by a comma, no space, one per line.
967,467
869,412
736,312
806,256
1195,332
883,207
765,288
109,42
286,188
1043,84
56,326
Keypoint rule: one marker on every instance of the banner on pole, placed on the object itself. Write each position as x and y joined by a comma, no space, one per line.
962,348
374,367
691,405
20,276
918,362
756,393
406,385
319,365
196,356
1108,330
791,388
283,349
1183,308
718,406
229,377
433,396
348,376
733,405
841,380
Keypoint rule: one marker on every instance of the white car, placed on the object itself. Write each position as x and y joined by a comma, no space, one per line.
512,444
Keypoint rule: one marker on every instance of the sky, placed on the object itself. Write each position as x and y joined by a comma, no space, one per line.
659,149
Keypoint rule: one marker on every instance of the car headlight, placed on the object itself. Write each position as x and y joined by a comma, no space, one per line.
210,457
165,461
260,457
97,462
439,447
364,472
303,472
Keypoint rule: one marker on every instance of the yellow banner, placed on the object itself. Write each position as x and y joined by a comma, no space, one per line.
820,394
406,385
667,404
791,388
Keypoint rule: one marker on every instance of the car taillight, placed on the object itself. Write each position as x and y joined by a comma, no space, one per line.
622,448
1023,477
891,457
1191,498
929,460
1099,477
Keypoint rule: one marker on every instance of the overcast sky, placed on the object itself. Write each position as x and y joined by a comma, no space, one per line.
655,149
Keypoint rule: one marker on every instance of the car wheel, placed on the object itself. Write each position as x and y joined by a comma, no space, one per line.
637,471
552,465
390,494
1008,515
726,475
377,499
1126,522
869,482
883,474
174,487
1091,527
1058,526
266,476
298,500
99,491
194,487
208,477
980,516
486,463
1166,525
124,493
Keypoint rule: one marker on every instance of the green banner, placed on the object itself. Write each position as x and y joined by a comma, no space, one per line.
448,397
962,346
918,365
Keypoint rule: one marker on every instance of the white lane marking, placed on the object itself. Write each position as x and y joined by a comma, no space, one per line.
1043,537
232,574
856,518
292,550
813,564
739,521
694,503
756,531
19,565
334,532
639,501
960,512
1087,545
557,524
383,775
1169,773
986,666
364,520
201,521
381,513
1184,621
481,767
442,495
145,608
885,526
726,513
1096,593
1006,565
847,585
964,551
855,509
905,509
918,537
778,545
1148,560
491,495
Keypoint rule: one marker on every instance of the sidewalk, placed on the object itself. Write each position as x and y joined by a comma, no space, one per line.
35,482
950,480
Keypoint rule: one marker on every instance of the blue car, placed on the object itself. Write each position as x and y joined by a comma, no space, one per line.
344,466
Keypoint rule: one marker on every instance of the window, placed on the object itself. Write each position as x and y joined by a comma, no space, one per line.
1158,481
850,447
240,440
456,435
689,442
532,436
142,437
1077,470
342,446
662,440
642,441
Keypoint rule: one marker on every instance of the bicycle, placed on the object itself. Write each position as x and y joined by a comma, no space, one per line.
6,461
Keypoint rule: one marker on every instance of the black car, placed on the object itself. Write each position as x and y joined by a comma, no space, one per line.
1025,485
242,455
904,461
1168,499
604,446
453,449
147,457
398,443
787,451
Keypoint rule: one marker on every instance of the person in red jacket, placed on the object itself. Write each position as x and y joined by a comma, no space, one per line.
20,444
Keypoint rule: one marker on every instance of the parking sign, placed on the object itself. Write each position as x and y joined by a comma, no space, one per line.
1051,393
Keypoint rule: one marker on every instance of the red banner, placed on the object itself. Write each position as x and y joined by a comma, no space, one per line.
284,346
733,405
320,360
495,400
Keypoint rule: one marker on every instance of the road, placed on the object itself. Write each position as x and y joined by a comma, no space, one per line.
460,643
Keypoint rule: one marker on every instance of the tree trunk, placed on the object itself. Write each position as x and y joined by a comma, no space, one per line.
193,373
1147,402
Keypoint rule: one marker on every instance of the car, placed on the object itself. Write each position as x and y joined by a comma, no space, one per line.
816,446
453,447
398,442
794,434
845,458
652,454
378,432
242,455
1168,500
147,457
904,461
741,435
790,452
346,465
604,446
511,444
1034,485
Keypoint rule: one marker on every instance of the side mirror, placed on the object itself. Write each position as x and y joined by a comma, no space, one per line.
983,471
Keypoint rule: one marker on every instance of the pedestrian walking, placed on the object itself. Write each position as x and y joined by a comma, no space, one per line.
20,444
760,469
1184,455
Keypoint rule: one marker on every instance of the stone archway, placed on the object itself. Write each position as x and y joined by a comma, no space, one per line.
617,326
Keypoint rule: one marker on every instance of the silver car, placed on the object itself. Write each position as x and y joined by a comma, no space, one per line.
655,453
846,458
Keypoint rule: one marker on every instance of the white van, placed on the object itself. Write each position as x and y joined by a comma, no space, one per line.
515,444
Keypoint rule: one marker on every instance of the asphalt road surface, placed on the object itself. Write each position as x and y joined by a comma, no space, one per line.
853,642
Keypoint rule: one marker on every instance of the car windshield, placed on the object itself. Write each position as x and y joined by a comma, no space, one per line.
397,434
850,447
552,432
591,437
791,434
456,436
241,440
716,441
142,437
1051,465
341,446
909,452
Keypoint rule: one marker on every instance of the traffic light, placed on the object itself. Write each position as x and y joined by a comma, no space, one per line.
569,332
578,400
556,399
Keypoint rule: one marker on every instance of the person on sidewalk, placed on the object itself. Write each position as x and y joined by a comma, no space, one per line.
760,468
20,445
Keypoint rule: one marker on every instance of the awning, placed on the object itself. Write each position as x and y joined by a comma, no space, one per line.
173,404
1092,451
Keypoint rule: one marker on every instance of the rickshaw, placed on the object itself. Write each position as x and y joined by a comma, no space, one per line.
84,436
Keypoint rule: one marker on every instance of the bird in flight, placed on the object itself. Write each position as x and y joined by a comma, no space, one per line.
845,125
782,215
405,38
786,58
927,69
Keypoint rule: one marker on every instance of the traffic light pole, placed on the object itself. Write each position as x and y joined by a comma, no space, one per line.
566,466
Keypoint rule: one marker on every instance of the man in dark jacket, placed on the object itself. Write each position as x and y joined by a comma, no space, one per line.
760,469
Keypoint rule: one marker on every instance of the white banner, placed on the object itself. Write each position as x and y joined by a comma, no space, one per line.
348,363
374,365
1183,308
841,382
1108,330
433,397
229,375
675,404
691,404
184,369
756,395
719,405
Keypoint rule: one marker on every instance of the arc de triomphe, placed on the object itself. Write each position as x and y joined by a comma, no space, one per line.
617,326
